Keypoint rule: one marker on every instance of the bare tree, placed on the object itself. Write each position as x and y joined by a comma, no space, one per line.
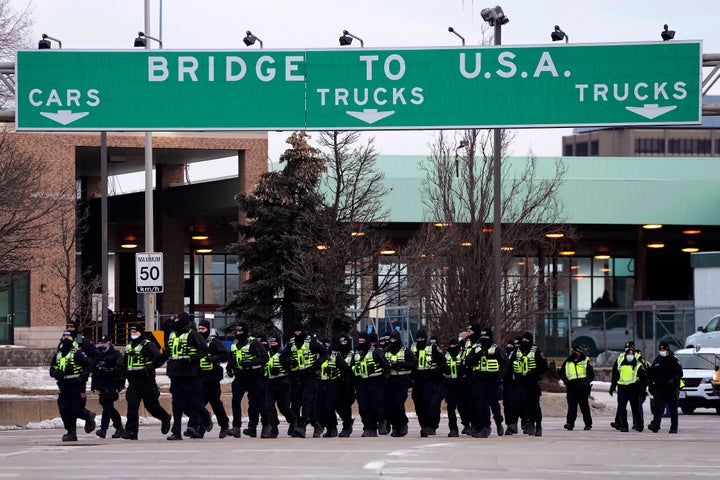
452,266
75,297
341,271
14,30
29,208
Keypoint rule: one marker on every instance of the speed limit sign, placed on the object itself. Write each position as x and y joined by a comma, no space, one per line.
149,272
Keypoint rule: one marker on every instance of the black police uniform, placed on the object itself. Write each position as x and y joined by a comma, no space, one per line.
304,354
108,379
141,358
369,366
277,390
664,377
71,367
427,384
248,358
577,372
402,362
211,373
183,354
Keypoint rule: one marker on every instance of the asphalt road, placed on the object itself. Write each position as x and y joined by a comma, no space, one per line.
599,453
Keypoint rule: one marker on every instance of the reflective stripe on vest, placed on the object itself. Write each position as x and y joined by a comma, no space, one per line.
424,357
394,358
453,363
135,359
576,371
243,353
366,367
486,364
179,348
62,362
205,363
329,369
273,365
303,356
628,374
523,364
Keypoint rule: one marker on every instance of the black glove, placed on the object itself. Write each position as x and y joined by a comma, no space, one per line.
59,375
612,390
401,365
229,372
246,364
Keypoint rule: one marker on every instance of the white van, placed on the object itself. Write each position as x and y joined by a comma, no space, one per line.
707,336
699,367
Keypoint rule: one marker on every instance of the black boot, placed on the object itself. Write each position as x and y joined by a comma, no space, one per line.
347,429
118,432
267,432
101,432
70,436
500,429
332,432
383,428
299,430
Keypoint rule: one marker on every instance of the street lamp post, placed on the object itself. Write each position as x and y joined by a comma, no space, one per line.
496,18
149,298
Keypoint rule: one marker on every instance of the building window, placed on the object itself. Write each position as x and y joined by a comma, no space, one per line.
214,279
581,149
650,146
595,148
690,146
569,149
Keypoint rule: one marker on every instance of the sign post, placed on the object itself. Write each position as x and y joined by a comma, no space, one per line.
361,89
149,273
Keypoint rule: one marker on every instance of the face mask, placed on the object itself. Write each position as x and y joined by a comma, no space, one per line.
104,348
421,344
629,358
66,343
663,353
363,346
135,336
454,349
240,336
485,341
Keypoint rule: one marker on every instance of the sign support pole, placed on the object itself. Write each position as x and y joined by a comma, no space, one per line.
149,298
497,221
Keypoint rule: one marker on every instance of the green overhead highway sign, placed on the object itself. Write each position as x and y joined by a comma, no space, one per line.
349,89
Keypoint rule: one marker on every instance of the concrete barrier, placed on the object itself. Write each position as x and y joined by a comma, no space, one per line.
25,356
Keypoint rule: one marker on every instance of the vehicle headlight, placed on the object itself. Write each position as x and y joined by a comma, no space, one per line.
706,380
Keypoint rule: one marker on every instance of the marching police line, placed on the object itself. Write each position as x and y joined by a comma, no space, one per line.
313,382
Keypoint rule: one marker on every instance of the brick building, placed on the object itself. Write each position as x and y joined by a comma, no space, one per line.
182,210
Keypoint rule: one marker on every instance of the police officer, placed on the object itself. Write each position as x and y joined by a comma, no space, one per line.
629,378
211,373
664,375
304,355
247,363
455,383
333,371
401,364
253,408
577,372
141,358
488,366
108,379
71,367
512,392
347,392
529,364
427,383
183,354
369,366
277,390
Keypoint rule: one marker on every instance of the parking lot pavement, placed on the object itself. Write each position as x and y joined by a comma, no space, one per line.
599,453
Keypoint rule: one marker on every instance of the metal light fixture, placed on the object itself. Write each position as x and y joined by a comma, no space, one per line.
141,41
667,34
462,144
250,39
558,35
199,237
602,256
347,39
496,18
44,44
462,39
652,226
203,250
494,15
692,231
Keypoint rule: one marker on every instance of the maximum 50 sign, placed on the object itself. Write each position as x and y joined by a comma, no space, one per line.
149,272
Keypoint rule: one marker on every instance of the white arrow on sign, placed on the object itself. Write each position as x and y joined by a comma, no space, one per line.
370,115
651,111
63,117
